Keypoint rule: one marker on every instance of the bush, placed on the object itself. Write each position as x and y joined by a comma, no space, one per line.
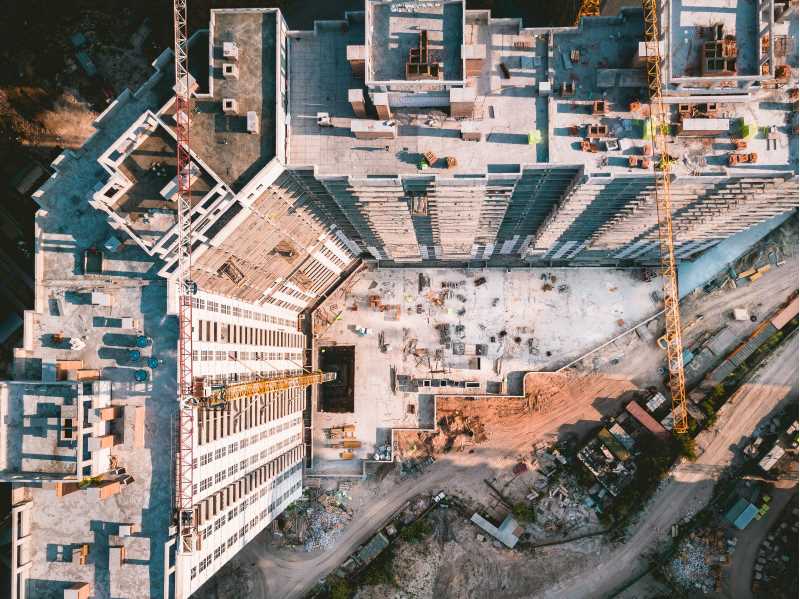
380,570
687,447
710,411
524,512
747,130
416,532
341,589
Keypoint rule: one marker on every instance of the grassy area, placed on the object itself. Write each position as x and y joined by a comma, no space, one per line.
379,571
416,532
524,512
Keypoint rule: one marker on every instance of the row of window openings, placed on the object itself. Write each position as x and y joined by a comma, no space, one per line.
240,508
206,532
222,356
250,501
332,256
220,452
206,561
247,415
222,332
213,306
218,477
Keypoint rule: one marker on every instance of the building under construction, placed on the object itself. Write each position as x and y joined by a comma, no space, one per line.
412,132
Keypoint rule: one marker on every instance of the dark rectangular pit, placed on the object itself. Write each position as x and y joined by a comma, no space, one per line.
337,396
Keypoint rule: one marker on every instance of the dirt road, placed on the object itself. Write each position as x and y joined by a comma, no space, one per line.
640,358
737,577
691,485
280,574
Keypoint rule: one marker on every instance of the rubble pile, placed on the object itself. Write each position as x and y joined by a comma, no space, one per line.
318,521
696,566
562,504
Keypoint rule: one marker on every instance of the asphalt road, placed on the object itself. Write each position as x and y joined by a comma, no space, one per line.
691,485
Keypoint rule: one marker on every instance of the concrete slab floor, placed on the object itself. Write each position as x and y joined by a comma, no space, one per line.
558,325
67,225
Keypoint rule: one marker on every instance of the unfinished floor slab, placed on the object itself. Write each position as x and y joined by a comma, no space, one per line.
437,331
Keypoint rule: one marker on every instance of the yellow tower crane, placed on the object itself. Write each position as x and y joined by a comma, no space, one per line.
659,125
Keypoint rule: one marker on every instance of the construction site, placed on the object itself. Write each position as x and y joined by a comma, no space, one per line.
299,293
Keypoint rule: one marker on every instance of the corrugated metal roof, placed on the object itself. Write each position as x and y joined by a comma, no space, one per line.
655,402
613,445
646,420
505,534
769,460
747,349
721,341
622,436
746,517
784,316
720,372
741,513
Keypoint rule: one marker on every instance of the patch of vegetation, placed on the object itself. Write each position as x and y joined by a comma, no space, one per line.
379,571
687,446
416,532
341,588
747,130
524,512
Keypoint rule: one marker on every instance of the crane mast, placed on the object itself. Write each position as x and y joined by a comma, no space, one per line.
659,124
185,286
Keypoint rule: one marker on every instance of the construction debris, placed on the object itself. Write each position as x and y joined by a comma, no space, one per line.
696,566
317,520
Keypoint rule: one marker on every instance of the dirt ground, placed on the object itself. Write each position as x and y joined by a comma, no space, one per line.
507,426
468,565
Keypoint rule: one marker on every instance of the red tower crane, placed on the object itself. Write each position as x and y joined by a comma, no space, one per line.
185,286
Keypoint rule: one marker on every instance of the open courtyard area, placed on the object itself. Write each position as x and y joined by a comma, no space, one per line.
416,333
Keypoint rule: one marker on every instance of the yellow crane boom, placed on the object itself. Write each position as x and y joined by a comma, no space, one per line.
659,125
229,392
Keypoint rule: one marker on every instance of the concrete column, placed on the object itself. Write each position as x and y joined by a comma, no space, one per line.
462,102
356,56
356,99
381,101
